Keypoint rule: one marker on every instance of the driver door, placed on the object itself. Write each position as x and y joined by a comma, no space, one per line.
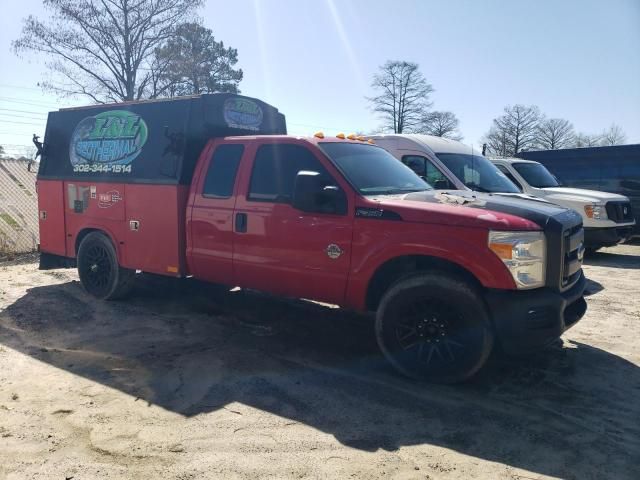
282,250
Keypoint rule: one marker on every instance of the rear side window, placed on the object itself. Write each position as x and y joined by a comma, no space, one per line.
221,176
275,169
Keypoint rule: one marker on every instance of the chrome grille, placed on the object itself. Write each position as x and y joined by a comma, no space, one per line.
573,254
619,212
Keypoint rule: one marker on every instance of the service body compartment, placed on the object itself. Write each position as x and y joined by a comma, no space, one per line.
125,169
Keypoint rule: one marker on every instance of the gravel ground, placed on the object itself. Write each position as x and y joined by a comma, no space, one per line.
185,382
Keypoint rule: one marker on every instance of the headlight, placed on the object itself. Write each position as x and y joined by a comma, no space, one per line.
595,211
524,254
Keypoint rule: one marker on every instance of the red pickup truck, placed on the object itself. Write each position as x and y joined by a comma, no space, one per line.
212,187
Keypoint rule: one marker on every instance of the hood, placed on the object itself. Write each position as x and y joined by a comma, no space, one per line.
524,196
467,208
581,195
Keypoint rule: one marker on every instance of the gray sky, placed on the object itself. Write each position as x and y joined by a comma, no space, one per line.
576,59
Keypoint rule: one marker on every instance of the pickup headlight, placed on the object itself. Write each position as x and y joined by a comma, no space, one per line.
595,211
524,254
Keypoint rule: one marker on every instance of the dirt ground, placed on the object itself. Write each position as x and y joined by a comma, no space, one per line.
182,382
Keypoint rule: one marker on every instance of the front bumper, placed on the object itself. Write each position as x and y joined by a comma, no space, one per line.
606,237
527,320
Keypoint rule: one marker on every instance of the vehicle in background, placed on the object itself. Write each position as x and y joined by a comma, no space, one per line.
193,187
607,217
614,169
448,164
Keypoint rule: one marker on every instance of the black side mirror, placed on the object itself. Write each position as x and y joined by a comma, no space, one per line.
313,194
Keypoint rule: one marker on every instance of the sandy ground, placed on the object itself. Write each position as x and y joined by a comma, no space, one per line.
182,382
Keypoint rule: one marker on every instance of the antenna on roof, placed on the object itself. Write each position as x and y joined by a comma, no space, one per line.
484,149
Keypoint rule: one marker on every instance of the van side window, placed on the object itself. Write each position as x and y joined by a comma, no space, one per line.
510,176
428,171
275,168
221,175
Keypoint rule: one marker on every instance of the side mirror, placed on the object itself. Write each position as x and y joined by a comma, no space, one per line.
312,194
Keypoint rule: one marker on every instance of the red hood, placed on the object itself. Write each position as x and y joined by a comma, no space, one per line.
465,209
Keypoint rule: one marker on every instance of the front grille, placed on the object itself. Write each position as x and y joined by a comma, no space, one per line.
619,212
573,253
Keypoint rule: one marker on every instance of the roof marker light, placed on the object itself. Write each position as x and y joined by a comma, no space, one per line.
371,141
351,136
318,135
340,136
360,138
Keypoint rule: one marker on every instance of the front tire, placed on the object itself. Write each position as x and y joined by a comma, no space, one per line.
98,268
434,327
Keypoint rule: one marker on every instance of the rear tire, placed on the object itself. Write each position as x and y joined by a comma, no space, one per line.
99,271
434,327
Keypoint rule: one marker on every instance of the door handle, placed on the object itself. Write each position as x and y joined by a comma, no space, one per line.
241,222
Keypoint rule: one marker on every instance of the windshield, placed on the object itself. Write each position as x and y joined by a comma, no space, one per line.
536,175
477,173
372,170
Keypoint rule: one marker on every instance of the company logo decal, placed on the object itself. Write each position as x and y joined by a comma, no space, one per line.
108,199
242,113
333,251
108,142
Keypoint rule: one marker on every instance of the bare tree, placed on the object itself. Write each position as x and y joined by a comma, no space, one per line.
441,124
586,140
403,96
515,130
613,136
102,49
1,150
555,133
193,62
497,142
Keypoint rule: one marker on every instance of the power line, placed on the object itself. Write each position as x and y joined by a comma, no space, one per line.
34,103
13,115
6,85
22,111
27,123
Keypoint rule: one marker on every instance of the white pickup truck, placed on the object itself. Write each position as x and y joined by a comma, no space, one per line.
607,217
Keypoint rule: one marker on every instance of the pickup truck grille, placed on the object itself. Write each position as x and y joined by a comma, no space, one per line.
573,254
619,212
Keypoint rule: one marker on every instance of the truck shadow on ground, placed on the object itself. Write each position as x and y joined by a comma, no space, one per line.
614,260
191,349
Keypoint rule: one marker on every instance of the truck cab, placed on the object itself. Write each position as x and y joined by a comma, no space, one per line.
607,217
224,195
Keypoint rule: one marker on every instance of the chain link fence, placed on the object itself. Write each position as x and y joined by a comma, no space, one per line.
18,207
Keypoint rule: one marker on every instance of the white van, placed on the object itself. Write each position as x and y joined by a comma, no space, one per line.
607,217
448,164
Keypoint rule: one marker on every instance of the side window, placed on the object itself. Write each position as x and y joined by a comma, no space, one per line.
275,168
428,171
510,176
436,178
221,175
416,163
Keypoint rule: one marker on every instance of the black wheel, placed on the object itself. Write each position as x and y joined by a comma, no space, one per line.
98,268
434,327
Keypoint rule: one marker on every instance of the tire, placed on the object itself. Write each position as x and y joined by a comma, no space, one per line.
99,271
434,327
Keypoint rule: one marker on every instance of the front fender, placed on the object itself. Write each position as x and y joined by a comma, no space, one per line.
464,247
